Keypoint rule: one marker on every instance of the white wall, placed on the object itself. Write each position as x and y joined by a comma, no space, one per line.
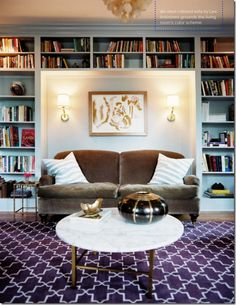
175,136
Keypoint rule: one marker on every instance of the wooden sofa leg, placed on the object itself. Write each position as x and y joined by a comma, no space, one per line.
43,218
194,218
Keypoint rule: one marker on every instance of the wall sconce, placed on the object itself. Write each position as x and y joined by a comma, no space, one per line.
63,101
172,101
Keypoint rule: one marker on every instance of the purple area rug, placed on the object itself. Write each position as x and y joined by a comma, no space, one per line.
35,267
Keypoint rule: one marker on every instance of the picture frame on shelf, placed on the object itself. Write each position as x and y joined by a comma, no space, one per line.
117,113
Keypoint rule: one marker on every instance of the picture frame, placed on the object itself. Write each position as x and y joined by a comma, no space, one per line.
117,113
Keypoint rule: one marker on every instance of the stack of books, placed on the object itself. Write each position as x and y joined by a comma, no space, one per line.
218,193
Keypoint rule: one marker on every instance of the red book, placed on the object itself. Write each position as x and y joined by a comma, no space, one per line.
28,138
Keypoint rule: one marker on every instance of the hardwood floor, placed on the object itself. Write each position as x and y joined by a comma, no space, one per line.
204,216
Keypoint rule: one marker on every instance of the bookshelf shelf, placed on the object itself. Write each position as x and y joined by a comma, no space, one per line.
217,148
17,122
217,70
218,173
219,53
64,53
218,123
14,173
167,53
17,97
19,147
217,97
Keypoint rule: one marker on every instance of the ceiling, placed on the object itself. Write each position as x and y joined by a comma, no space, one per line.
43,12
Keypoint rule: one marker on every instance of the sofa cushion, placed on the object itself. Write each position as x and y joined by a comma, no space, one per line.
66,171
170,170
96,165
79,190
174,191
138,166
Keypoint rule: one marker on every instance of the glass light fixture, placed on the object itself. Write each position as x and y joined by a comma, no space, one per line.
172,101
127,9
63,101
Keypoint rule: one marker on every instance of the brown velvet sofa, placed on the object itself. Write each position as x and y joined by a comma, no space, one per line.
113,175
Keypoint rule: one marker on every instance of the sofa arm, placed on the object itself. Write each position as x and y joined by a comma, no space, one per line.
191,180
47,180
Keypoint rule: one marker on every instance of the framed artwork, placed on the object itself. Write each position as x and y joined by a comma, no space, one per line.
117,113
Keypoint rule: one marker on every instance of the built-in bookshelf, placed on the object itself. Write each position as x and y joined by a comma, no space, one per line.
17,108
214,65
217,96
117,53
170,53
65,52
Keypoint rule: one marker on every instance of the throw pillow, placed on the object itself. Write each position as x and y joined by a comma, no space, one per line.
170,171
66,170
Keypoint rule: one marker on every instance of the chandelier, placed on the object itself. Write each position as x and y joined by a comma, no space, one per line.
127,9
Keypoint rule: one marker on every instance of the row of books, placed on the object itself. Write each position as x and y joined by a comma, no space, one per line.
217,163
209,61
218,87
61,62
176,61
17,164
208,45
19,61
125,46
110,61
10,45
225,139
76,45
162,46
20,113
11,137
54,62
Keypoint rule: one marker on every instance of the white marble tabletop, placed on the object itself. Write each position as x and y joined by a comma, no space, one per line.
114,234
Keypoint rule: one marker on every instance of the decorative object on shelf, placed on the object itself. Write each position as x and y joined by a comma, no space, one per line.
127,9
63,101
28,137
172,101
218,190
21,193
92,210
217,186
17,88
27,176
85,62
143,207
117,113
3,188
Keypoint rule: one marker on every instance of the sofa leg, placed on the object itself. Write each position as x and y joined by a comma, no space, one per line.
194,218
43,218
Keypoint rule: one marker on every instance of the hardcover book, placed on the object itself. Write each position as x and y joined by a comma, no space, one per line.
28,138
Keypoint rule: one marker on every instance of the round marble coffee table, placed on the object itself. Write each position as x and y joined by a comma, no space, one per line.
113,233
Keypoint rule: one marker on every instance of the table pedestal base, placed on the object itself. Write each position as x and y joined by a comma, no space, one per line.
75,266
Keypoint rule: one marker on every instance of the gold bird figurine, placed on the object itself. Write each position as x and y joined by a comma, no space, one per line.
92,208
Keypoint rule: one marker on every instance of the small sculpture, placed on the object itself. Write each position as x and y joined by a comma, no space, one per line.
91,210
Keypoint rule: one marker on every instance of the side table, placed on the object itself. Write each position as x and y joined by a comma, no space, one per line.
25,186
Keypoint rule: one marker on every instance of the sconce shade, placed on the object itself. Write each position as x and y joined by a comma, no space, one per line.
63,100
173,100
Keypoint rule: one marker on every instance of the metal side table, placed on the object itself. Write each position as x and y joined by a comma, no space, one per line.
24,186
